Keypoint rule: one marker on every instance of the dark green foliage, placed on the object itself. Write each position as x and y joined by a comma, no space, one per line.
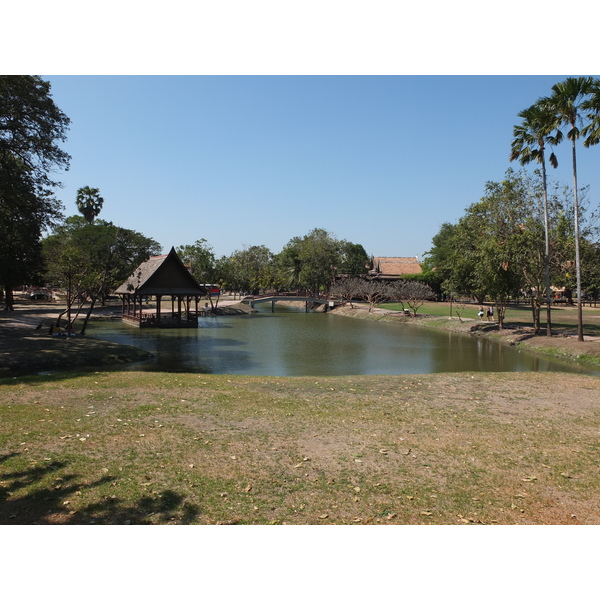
89,203
31,126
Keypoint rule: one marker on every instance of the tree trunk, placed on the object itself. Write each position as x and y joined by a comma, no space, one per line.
87,316
9,299
500,310
536,309
547,252
60,317
577,256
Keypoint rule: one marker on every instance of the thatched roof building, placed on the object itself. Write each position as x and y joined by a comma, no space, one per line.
156,278
388,267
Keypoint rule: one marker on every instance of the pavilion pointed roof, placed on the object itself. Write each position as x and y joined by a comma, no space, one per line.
163,275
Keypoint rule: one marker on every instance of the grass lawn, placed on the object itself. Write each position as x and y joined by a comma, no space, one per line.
563,317
120,448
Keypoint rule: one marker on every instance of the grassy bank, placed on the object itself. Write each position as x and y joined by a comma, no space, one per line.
518,327
182,448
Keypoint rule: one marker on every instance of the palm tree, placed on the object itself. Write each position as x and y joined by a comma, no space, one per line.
529,144
89,203
591,131
567,104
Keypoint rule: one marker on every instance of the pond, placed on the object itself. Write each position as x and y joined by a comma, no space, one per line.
291,342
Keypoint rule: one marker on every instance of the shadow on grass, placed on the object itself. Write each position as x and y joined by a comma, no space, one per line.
42,495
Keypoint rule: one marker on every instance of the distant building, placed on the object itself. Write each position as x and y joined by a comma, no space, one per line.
394,267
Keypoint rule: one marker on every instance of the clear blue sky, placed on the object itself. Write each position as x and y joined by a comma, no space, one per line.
248,160
380,161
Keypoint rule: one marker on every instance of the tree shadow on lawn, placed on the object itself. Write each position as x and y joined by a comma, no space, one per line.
563,320
32,496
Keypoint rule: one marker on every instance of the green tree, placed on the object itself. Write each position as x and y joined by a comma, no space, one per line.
354,259
31,128
253,268
591,132
26,209
453,256
89,203
496,223
89,260
201,257
203,266
497,248
529,144
567,104
444,263
312,261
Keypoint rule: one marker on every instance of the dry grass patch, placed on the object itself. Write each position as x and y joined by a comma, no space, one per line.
177,448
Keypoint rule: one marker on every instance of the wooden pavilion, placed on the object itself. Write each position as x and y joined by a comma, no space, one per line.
159,277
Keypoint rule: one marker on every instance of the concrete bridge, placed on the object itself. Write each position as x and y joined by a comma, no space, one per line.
308,300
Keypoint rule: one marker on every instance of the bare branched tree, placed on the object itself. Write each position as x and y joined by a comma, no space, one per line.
348,289
413,293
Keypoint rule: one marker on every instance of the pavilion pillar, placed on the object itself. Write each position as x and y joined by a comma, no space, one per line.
158,302
179,308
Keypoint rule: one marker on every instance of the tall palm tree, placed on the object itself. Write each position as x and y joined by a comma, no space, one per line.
567,104
89,203
529,144
591,132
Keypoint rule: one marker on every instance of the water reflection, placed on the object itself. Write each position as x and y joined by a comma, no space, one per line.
291,342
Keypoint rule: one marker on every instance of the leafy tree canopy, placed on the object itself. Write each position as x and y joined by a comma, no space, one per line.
31,128
201,258
90,260
89,203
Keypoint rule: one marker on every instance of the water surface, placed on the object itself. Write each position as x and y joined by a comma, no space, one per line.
291,342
